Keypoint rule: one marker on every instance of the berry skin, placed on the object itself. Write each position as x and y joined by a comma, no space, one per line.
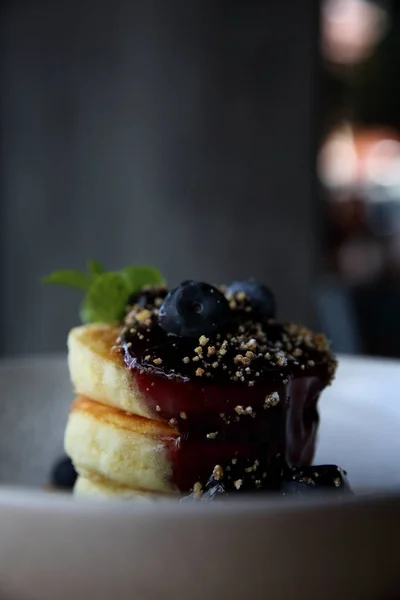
257,296
63,474
193,309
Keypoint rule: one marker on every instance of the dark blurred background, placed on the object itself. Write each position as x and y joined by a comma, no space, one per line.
359,171
215,140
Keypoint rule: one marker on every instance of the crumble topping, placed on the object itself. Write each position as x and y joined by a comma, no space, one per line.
247,351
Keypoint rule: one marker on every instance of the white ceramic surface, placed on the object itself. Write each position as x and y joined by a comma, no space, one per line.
57,548
360,422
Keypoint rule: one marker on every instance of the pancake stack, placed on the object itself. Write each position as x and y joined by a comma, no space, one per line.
117,448
198,392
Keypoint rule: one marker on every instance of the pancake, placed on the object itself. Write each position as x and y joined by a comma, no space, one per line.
98,371
102,489
128,450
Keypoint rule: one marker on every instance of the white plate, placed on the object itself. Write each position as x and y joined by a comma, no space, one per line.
54,547
360,422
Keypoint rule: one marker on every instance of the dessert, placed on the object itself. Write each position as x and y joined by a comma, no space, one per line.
195,392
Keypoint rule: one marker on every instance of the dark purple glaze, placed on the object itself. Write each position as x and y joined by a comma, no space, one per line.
223,404
198,409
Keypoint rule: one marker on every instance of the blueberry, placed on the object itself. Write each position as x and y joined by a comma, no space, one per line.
193,309
215,492
303,480
63,474
258,297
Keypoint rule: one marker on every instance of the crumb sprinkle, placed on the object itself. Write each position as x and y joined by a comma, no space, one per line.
271,400
245,354
198,490
252,344
281,359
144,316
218,472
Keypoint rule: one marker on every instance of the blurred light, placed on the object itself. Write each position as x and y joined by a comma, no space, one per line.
351,29
382,163
360,161
338,161
381,173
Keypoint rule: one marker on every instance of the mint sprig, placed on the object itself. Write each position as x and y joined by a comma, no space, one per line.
107,293
106,299
70,278
95,268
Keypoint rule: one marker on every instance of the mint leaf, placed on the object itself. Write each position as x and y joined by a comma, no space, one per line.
95,268
107,294
106,299
70,278
140,277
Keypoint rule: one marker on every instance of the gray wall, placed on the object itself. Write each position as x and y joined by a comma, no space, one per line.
172,133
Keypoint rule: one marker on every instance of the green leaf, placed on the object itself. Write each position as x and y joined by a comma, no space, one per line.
140,277
106,299
107,294
95,268
70,278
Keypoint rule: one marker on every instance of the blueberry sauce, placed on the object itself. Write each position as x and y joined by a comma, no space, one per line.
243,400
